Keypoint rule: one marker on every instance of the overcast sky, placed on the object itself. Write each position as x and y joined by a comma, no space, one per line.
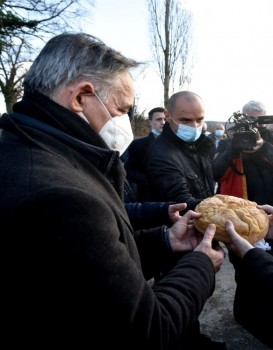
233,45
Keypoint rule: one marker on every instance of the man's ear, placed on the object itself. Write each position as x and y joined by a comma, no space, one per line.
82,91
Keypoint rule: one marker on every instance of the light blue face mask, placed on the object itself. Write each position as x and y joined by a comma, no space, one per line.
188,133
219,133
156,132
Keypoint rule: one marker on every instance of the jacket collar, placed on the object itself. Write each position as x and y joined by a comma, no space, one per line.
80,136
41,107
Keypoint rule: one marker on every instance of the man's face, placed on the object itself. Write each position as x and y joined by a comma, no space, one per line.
122,99
253,115
119,103
158,121
219,127
82,98
190,112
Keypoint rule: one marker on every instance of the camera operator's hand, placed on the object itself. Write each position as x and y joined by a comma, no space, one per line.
259,143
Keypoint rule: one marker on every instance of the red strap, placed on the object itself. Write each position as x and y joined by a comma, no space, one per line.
234,184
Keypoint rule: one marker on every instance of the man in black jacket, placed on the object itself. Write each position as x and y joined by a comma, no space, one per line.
178,163
136,152
75,272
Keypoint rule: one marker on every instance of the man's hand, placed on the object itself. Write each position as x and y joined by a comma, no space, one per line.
182,234
259,143
216,254
269,210
237,244
174,211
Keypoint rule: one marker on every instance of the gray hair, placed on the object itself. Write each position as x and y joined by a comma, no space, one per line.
71,56
252,106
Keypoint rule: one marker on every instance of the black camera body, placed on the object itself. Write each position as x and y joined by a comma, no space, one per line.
245,129
244,136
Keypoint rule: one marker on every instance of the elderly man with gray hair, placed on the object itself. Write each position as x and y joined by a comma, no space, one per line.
254,109
76,272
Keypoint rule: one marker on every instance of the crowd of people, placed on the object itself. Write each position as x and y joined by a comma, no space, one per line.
84,265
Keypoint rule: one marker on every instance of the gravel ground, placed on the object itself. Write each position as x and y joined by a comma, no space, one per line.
217,319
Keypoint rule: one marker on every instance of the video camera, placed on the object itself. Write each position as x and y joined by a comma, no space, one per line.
245,129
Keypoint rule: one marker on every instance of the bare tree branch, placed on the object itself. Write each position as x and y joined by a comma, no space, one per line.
24,26
13,66
171,41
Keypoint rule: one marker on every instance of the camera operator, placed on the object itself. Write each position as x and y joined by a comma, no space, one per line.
243,167
243,163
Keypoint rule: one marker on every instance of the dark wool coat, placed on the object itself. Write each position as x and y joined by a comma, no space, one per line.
253,304
135,166
73,276
179,171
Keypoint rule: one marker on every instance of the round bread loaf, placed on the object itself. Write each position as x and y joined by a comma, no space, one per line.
249,221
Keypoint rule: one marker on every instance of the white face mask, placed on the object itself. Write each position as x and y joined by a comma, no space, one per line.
117,131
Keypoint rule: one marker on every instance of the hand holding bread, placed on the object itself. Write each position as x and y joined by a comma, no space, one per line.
269,210
249,221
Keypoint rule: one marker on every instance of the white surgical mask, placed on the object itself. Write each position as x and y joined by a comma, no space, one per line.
219,133
117,131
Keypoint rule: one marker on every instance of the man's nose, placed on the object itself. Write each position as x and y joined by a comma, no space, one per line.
193,124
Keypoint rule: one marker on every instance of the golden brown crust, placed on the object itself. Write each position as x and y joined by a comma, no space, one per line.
249,221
